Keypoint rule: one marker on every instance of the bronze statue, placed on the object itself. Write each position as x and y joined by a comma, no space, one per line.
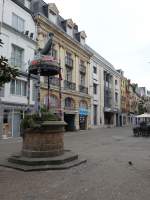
48,46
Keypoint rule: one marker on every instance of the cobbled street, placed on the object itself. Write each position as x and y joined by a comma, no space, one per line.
117,168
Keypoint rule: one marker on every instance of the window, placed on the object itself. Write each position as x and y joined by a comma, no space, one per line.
28,4
116,97
94,88
52,16
18,23
68,55
82,40
12,87
95,114
18,87
68,74
82,79
53,101
68,59
54,54
70,31
16,56
94,70
69,103
116,82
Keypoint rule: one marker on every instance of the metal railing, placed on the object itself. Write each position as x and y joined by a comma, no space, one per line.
83,89
69,85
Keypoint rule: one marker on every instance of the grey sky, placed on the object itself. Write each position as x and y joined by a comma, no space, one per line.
119,30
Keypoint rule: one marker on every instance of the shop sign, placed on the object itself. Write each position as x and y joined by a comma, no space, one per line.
83,111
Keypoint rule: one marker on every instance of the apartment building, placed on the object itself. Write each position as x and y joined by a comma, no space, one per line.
69,50
18,33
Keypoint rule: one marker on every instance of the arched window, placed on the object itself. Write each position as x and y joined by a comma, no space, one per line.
53,101
83,104
69,103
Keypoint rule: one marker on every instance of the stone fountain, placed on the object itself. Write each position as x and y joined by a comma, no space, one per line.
43,144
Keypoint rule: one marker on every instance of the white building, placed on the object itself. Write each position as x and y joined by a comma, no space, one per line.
18,33
105,92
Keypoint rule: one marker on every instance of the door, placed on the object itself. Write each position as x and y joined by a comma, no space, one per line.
16,124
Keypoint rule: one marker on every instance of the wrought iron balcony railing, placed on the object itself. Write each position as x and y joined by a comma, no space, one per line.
83,89
69,85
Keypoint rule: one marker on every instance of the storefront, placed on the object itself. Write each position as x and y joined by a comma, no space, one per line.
10,119
83,115
70,113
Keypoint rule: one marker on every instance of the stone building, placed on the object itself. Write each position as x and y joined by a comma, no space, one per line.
18,33
69,50
125,99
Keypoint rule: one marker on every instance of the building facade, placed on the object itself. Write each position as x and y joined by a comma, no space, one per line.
18,33
111,96
124,99
105,92
74,59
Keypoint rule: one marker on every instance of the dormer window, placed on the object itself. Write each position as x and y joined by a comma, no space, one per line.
81,37
82,40
28,4
68,26
70,30
53,12
52,16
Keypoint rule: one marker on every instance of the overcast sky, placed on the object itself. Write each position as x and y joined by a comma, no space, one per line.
119,30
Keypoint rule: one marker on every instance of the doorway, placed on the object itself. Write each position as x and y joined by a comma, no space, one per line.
70,120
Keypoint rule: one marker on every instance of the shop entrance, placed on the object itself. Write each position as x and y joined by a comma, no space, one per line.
82,122
70,120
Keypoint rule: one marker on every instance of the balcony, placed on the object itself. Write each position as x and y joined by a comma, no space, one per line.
69,62
83,89
82,68
69,85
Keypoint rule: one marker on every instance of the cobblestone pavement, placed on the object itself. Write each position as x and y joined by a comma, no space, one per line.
107,175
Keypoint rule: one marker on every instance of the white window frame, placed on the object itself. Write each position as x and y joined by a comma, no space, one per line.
18,91
18,23
17,55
